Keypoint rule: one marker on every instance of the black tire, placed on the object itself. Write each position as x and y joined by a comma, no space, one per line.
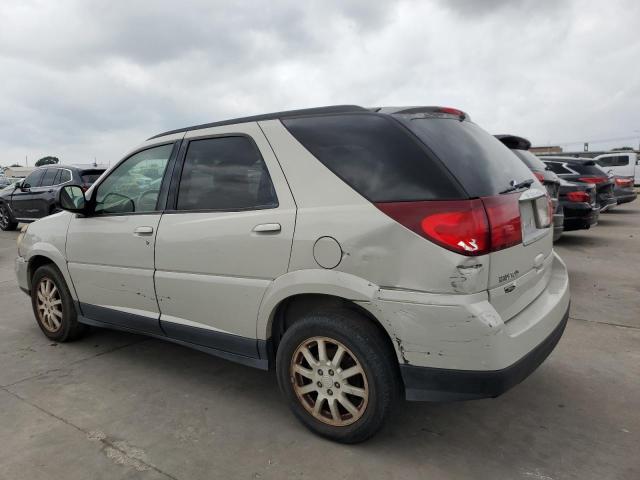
366,342
7,223
69,328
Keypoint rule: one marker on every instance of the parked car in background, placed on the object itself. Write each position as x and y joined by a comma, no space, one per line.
624,163
585,170
624,190
578,201
35,196
362,254
621,164
520,147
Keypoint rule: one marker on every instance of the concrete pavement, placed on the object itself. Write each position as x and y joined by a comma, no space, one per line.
120,406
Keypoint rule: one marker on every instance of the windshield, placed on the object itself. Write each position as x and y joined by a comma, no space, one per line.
480,162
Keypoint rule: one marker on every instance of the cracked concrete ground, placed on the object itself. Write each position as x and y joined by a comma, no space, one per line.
119,406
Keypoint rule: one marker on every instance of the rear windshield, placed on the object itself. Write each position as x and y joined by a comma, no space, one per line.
533,162
482,164
376,156
90,176
587,168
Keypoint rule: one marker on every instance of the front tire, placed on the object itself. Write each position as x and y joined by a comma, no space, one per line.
338,374
7,223
53,305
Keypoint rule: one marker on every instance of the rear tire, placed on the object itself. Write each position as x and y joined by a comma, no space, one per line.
342,360
53,305
7,223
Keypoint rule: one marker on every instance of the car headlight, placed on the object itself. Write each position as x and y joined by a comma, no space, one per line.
23,230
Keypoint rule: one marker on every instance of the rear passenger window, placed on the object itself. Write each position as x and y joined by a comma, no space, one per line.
65,176
375,156
225,173
617,161
49,176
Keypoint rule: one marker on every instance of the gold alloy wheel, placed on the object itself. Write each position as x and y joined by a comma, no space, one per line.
49,305
329,381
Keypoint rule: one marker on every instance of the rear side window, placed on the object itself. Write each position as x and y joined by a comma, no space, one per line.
48,177
480,162
65,176
89,178
558,168
617,161
225,173
375,156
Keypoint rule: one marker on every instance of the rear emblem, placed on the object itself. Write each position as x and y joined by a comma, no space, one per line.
509,289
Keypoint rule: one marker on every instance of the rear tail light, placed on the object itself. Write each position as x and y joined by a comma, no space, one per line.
469,227
539,176
578,197
592,179
623,182
503,212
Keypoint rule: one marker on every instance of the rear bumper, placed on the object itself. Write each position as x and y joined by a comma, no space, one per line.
459,347
626,198
607,203
436,384
558,225
576,218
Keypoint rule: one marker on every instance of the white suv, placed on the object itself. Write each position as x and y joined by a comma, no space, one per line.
364,254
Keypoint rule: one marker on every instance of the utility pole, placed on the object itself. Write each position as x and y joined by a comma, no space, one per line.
26,161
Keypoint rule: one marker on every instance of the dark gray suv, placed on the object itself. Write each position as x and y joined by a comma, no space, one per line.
35,197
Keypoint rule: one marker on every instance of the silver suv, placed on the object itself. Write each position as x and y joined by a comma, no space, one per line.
364,254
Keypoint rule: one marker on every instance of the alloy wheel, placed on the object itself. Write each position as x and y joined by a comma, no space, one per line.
49,305
4,217
329,381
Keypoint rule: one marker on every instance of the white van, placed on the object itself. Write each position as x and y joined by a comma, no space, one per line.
622,164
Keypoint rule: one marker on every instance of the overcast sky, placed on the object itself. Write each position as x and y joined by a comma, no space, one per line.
84,79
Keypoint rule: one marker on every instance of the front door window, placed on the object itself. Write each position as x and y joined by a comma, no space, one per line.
133,187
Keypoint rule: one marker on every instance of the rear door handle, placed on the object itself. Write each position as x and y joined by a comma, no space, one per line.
267,227
143,231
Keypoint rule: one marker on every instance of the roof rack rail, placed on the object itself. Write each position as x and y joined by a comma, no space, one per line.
271,116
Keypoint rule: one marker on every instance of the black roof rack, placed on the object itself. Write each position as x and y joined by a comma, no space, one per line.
271,116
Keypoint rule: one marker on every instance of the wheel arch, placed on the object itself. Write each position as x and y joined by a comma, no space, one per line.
39,257
297,292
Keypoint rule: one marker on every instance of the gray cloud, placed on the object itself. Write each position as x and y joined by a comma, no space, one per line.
85,78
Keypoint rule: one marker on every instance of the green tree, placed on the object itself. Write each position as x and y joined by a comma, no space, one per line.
47,161
16,165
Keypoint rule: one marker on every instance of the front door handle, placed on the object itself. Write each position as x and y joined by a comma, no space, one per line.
143,231
267,227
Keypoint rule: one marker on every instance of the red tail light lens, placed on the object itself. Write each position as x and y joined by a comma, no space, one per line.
592,179
539,176
623,182
578,197
504,220
468,227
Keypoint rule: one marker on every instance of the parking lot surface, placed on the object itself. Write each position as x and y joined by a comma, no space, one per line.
120,406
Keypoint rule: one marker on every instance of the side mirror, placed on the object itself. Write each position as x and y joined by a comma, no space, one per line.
71,198
25,187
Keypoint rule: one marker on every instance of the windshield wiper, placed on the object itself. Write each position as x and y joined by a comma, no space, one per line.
517,186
